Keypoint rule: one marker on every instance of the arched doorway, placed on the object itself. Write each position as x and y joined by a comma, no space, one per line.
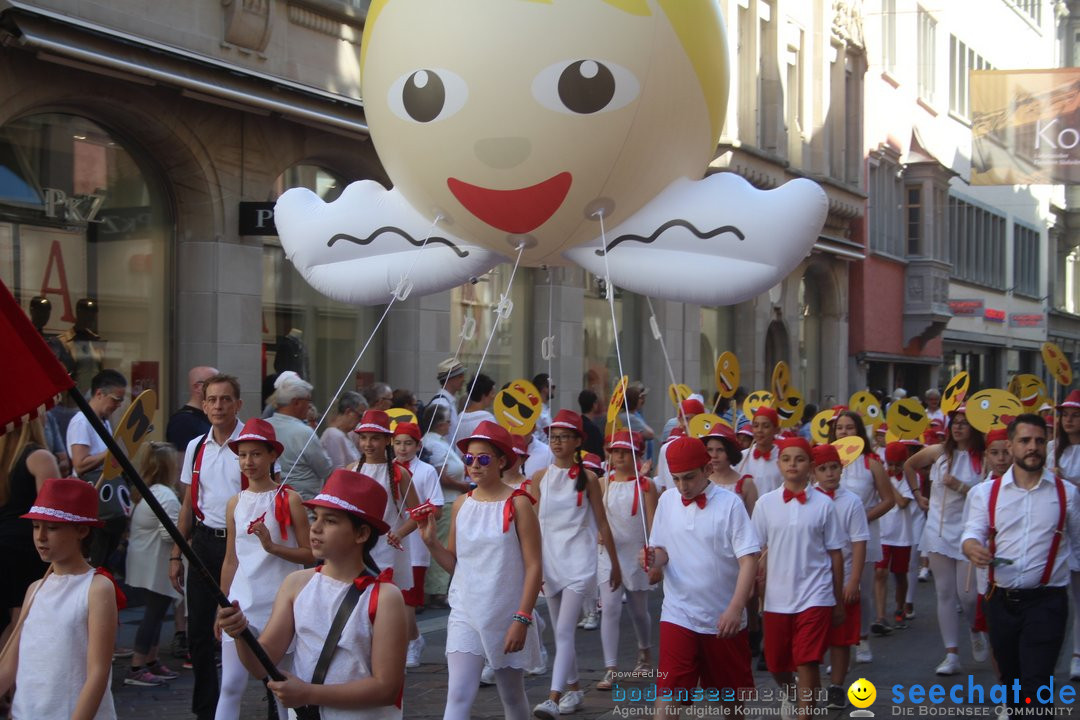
808,374
776,346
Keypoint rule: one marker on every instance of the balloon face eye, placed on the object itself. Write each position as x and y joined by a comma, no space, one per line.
427,95
585,87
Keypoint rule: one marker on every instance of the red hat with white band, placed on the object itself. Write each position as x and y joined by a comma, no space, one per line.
356,494
745,430
1072,400
569,420
257,430
622,440
374,421
685,454
521,446
497,436
720,432
408,428
593,462
66,500
692,406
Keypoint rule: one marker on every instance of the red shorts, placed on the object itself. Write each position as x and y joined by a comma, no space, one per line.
895,558
414,596
848,633
688,658
796,639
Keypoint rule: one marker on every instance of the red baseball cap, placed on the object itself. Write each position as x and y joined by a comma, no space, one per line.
686,453
66,500
794,442
767,412
996,434
822,454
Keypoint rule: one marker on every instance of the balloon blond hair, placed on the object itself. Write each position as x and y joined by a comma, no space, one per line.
697,23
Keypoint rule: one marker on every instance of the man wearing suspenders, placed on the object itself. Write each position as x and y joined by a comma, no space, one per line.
210,476
1022,527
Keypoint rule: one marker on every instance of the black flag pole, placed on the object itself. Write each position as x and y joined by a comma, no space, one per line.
148,497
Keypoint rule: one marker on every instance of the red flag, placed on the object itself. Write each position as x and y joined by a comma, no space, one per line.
35,377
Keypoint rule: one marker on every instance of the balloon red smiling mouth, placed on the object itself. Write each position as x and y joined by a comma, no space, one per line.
514,211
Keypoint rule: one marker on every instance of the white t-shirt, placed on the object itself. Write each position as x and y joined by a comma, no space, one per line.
798,537
896,524
540,457
219,475
663,480
425,480
80,432
764,470
703,547
852,518
468,422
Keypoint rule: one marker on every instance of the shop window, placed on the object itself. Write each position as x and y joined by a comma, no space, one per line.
84,239
886,208
927,68
509,355
1026,260
303,330
977,247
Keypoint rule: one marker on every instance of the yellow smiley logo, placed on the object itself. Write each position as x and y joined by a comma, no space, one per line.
1056,363
864,403
989,409
677,393
700,425
955,391
781,379
400,415
517,407
727,374
1029,388
755,400
615,407
849,448
790,408
862,693
819,426
907,419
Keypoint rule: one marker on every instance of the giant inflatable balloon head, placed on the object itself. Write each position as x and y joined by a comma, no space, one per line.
561,129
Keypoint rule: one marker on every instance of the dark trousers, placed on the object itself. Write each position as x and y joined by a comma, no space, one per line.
202,611
1027,628
149,633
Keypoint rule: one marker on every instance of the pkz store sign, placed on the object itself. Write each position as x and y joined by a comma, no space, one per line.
257,218
73,208
114,223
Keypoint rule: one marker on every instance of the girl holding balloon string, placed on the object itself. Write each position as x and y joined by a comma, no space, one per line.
571,509
955,467
866,477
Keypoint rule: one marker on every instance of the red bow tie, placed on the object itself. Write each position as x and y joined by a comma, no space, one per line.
830,493
758,454
800,496
700,500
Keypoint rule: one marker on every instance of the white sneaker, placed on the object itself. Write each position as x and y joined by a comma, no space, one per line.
924,574
949,666
542,667
412,655
591,621
979,647
1074,668
787,710
572,701
862,652
547,710
487,676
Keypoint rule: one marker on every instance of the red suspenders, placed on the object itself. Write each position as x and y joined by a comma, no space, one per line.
1055,543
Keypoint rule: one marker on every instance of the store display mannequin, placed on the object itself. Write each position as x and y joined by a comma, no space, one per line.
84,344
291,354
40,312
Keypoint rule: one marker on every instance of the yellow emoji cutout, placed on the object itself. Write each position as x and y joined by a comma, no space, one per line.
789,407
862,693
400,415
849,448
677,393
955,392
1057,363
1029,389
819,426
781,379
727,374
868,407
700,425
987,409
907,419
755,400
615,406
517,407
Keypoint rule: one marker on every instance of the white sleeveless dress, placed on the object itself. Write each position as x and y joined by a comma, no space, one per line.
945,519
857,478
1070,468
258,574
486,587
569,535
384,555
313,612
628,531
52,652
